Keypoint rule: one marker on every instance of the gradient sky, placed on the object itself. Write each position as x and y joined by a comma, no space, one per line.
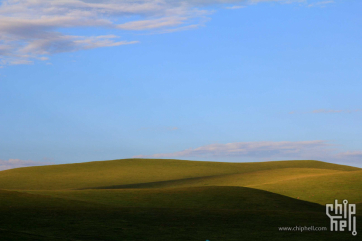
220,80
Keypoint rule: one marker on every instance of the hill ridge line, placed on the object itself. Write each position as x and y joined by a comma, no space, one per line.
141,185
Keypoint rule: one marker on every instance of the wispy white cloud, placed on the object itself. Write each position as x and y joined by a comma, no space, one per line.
280,1
354,154
270,150
350,157
32,29
43,58
324,111
320,4
335,111
266,151
235,7
153,23
15,163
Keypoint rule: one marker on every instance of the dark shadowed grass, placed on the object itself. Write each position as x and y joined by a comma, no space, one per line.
237,198
51,218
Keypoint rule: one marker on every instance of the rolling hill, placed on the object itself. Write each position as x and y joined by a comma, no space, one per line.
136,171
144,199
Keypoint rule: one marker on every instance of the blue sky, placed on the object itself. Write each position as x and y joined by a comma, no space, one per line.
204,80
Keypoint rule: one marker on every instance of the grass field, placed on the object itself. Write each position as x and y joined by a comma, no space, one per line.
143,199
134,171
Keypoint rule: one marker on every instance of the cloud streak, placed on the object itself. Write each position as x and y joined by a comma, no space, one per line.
32,30
320,4
235,7
334,111
266,151
29,29
263,149
324,111
15,163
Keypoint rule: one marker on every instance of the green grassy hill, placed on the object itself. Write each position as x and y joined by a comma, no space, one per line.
134,171
321,189
143,199
246,179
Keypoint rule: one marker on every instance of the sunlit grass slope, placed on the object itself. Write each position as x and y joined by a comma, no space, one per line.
320,189
135,171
